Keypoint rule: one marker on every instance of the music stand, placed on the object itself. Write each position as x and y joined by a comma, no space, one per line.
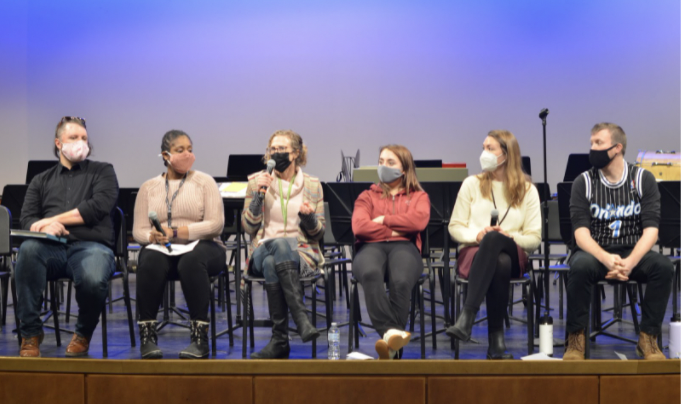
669,227
525,163
13,199
341,198
563,190
126,201
442,196
543,191
577,164
36,167
428,163
240,166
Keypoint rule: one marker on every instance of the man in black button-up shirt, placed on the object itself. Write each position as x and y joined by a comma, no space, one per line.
74,199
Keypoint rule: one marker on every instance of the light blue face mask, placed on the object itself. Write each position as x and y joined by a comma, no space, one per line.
388,174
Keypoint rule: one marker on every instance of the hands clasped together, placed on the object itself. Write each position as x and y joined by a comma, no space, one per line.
50,226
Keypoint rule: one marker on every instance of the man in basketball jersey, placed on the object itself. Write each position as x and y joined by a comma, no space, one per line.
615,211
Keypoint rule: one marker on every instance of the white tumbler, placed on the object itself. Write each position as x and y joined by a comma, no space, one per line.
674,343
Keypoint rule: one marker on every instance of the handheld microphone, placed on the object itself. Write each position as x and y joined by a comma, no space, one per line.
494,214
270,168
154,218
544,113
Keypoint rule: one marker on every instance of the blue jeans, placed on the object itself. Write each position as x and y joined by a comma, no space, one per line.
88,263
269,254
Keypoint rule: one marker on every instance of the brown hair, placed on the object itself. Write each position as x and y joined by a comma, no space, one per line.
617,133
296,145
516,183
60,129
409,180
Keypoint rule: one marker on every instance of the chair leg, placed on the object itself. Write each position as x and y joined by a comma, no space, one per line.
13,286
529,316
244,315
69,287
422,331
214,348
55,311
251,317
3,286
412,309
105,347
228,303
633,309
129,310
351,321
432,285
314,303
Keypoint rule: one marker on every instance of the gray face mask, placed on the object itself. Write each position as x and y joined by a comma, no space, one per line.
388,174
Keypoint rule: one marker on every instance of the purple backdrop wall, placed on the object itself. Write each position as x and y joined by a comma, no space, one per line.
433,75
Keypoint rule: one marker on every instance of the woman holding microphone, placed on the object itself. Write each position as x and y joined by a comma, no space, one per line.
284,215
187,205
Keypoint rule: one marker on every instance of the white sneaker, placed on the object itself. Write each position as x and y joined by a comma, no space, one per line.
393,341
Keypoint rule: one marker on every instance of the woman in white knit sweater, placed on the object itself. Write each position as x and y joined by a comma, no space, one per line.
190,211
493,254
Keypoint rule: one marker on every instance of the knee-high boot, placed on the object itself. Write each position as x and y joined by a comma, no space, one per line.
278,347
288,277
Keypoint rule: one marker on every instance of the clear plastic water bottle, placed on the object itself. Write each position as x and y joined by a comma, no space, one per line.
334,340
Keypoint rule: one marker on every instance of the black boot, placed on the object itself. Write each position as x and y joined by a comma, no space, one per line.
288,277
462,327
198,348
497,299
278,347
148,340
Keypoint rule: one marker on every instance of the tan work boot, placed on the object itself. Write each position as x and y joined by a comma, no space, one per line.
575,351
30,347
78,346
647,347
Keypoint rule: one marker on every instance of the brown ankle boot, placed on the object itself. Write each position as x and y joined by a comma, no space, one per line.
30,347
647,347
575,350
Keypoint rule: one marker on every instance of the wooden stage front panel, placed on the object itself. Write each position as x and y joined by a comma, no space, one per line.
318,381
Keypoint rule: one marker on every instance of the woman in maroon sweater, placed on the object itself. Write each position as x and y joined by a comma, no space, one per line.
387,220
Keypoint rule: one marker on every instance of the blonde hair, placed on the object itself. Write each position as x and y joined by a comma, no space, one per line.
516,182
296,145
409,180
617,133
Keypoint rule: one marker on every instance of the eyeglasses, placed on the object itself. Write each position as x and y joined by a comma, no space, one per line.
280,149
67,119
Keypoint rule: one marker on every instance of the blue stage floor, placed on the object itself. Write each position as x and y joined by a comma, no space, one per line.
172,339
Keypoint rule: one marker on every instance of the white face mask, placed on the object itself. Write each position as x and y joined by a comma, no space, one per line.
489,161
75,152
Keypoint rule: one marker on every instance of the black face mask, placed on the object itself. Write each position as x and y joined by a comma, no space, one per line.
282,161
600,158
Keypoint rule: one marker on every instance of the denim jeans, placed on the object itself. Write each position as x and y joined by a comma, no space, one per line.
88,263
269,254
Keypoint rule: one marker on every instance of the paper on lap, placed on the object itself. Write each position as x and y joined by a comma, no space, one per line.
178,249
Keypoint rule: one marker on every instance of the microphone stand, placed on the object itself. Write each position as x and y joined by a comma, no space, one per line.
546,319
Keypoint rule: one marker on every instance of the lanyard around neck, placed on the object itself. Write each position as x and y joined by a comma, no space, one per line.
175,194
494,204
283,205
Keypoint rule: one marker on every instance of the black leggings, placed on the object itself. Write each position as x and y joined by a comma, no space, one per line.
193,269
495,263
401,262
